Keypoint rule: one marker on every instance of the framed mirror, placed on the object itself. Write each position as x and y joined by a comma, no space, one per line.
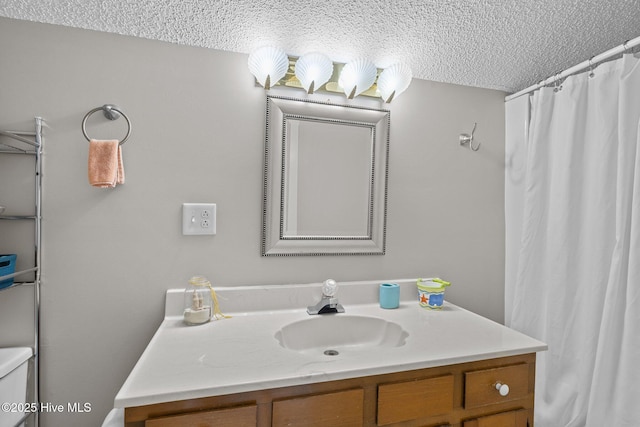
325,178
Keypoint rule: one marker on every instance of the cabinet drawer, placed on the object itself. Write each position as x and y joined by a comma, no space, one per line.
518,418
410,400
244,416
480,386
340,409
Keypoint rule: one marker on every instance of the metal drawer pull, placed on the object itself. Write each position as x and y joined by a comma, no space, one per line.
503,389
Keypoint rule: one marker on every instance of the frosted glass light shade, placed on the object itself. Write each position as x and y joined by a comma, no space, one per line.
357,76
393,81
268,64
313,70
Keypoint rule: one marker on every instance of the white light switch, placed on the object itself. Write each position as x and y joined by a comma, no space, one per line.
198,218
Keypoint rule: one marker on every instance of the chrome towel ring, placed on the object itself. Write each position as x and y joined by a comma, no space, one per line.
111,112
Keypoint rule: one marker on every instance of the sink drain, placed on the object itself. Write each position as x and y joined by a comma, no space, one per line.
331,352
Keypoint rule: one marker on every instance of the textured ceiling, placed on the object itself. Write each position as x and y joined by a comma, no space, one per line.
497,44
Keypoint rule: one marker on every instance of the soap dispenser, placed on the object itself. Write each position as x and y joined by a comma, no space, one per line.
197,301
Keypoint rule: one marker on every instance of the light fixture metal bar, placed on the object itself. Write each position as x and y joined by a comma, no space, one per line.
290,80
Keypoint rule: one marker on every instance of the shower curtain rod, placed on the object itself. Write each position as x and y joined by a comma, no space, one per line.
629,44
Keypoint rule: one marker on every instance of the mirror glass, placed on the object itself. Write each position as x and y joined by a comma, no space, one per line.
325,178
312,206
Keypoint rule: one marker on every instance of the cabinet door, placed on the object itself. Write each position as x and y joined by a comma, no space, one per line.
517,418
340,409
410,400
244,416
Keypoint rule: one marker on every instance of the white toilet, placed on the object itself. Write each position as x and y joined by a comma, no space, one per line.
14,367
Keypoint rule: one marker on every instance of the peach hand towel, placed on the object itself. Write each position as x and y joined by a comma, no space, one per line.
105,163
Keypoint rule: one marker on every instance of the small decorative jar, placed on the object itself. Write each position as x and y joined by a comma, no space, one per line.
198,306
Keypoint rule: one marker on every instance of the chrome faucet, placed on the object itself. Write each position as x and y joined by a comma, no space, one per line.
329,303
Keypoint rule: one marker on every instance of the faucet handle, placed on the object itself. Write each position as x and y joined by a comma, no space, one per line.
329,288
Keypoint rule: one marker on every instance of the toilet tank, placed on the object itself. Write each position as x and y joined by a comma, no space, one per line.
13,382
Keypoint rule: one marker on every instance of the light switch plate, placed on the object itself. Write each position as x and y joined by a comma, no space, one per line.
198,218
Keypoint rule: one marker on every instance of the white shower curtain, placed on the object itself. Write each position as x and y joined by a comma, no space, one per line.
573,243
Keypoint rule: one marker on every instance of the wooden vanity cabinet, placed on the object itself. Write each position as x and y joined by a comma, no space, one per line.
516,377
244,416
460,395
518,418
415,399
340,409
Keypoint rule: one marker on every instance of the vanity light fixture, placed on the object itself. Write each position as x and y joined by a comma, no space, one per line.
393,81
313,70
268,64
357,76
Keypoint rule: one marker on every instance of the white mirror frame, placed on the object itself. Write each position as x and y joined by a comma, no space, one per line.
279,110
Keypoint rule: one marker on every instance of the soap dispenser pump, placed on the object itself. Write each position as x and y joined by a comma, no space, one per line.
197,301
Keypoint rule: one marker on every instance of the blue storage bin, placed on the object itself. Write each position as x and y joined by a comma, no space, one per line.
7,266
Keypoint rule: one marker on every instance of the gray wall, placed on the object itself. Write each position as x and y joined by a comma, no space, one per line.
198,129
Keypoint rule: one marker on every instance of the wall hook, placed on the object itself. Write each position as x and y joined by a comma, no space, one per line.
465,138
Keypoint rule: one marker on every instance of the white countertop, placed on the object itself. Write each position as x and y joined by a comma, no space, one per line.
241,354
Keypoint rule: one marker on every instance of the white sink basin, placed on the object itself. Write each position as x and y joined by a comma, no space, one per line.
332,332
